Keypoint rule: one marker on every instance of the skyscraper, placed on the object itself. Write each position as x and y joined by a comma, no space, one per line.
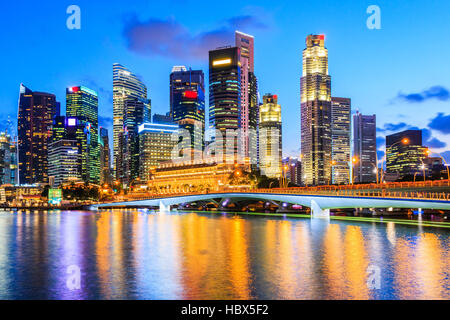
405,153
340,137
105,157
5,158
36,111
64,162
249,95
187,104
270,149
364,148
316,112
225,100
126,85
136,112
82,114
156,145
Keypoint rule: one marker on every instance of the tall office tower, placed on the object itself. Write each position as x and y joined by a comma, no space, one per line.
82,113
187,104
136,112
249,96
271,153
5,158
14,165
125,85
340,137
36,110
316,112
405,153
105,157
364,148
156,146
63,162
225,102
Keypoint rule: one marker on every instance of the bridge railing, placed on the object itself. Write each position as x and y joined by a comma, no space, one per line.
351,193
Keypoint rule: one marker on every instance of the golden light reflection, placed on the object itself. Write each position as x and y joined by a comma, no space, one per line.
432,268
334,262
355,264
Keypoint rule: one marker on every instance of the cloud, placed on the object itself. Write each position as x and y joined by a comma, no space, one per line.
392,127
437,92
441,123
105,121
434,143
169,38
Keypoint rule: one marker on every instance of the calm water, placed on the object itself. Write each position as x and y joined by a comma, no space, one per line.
143,255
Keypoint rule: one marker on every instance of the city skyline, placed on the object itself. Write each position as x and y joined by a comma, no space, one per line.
407,98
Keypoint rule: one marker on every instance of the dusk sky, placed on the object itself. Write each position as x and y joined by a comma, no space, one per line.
401,73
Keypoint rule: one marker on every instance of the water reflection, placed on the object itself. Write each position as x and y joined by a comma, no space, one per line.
143,255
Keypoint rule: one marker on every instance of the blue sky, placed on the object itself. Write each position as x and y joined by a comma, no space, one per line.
401,72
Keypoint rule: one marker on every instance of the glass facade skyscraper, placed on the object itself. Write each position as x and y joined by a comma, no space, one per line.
225,100
270,148
105,156
5,159
156,146
315,86
187,104
128,92
64,162
405,153
249,96
364,148
82,114
36,111
340,137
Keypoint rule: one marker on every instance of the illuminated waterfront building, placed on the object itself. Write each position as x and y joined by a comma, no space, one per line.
225,100
64,162
316,112
126,85
156,146
105,157
364,148
405,153
249,96
270,142
82,114
340,137
36,111
199,175
5,158
187,104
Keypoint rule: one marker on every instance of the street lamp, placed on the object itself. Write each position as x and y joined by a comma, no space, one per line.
352,176
333,163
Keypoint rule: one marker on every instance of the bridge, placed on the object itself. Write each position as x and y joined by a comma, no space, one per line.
320,201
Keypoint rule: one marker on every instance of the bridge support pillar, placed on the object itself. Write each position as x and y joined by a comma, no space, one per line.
163,208
318,212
